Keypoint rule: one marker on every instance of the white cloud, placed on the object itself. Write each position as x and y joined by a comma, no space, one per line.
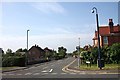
53,41
49,7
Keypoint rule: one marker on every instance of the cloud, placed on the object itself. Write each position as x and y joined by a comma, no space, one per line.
53,41
49,7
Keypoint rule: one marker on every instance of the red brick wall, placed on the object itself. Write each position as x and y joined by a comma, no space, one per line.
113,39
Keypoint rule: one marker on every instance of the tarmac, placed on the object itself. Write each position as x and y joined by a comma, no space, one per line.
70,68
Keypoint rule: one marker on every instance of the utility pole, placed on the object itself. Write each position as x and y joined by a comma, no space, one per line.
27,49
79,53
99,49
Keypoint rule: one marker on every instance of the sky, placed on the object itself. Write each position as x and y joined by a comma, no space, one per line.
52,24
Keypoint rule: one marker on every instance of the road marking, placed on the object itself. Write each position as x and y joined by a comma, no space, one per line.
64,69
47,70
44,71
28,73
36,73
51,70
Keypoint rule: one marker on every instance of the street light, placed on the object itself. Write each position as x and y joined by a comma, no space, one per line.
27,48
79,54
27,39
78,49
99,57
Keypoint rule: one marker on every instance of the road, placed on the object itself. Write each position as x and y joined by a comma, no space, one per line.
53,69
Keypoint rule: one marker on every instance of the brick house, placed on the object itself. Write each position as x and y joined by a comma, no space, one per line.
108,35
49,53
35,54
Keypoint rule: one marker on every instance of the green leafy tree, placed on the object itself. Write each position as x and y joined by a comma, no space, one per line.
9,52
115,53
94,55
62,51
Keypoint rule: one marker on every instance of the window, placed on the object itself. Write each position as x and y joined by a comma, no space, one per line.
105,40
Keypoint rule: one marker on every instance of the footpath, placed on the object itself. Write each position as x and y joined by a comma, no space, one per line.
72,68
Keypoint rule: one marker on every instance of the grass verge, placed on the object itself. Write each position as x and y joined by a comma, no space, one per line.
7,68
95,67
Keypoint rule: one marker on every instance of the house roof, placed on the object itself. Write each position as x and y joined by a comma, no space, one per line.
46,49
37,47
108,31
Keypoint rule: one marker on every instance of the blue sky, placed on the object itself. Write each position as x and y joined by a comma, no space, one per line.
52,24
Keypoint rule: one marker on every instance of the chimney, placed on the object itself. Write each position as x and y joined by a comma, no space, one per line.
111,23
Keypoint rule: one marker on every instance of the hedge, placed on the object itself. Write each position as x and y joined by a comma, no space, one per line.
13,61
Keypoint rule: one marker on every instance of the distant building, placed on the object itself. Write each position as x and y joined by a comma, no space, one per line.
108,35
35,54
48,52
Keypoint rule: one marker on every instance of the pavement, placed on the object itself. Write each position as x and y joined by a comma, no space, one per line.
70,68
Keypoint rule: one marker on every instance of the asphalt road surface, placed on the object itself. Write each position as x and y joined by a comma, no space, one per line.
52,69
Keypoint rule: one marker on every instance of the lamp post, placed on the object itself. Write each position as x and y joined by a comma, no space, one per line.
27,39
79,53
27,48
78,49
99,56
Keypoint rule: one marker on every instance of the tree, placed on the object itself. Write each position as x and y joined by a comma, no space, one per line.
115,53
62,51
94,54
9,52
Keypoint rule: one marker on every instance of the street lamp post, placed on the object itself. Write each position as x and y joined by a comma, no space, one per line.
79,54
27,39
99,56
27,48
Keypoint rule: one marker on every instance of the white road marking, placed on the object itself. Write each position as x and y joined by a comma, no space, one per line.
47,70
44,71
51,70
28,73
36,73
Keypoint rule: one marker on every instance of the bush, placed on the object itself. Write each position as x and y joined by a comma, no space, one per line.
13,61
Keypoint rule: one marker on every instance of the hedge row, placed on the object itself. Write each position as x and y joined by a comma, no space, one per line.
13,61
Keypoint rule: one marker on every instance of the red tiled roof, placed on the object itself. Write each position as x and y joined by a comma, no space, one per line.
103,30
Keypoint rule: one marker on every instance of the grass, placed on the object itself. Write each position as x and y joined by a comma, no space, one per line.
7,68
95,67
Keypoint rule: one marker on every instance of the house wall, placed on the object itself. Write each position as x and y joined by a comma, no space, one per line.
113,39
35,55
